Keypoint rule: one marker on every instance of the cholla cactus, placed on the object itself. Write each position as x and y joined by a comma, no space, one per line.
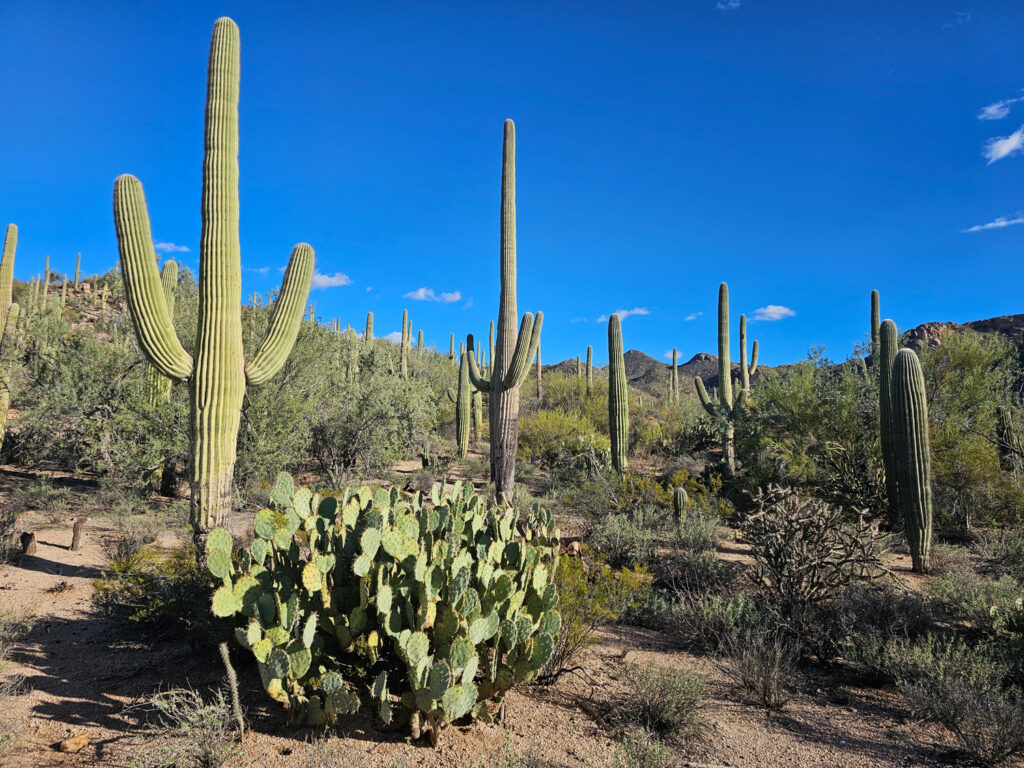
450,596
510,360
219,374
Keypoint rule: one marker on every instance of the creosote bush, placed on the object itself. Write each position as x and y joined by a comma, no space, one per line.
439,610
662,700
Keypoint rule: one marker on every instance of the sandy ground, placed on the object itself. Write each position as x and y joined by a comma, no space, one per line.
84,671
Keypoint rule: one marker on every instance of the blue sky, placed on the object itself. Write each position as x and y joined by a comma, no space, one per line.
805,152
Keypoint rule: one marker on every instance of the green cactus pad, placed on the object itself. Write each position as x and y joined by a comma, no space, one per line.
225,603
461,652
312,578
369,542
550,623
283,490
247,591
253,634
470,670
391,541
417,647
218,562
264,524
332,684
282,538
299,659
501,588
439,679
219,538
278,663
384,597
543,645
324,563
258,550
458,700
309,630
301,500
361,565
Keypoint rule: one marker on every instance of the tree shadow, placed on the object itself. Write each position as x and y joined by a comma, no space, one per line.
44,565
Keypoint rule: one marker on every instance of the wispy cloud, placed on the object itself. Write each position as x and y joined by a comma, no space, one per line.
258,270
999,223
330,281
727,5
170,248
1004,146
997,110
427,294
369,288
772,312
962,17
469,303
624,313
579,320
668,354
395,337
692,316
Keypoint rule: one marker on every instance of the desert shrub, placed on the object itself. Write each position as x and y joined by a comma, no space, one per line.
353,583
763,662
13,627
8,531
163,595
557,439
44,496
964,688
805,552
1003,551
643,750
972,597
864,619
662,700
694,572
949,557
698,533
591,595
191,732
623,539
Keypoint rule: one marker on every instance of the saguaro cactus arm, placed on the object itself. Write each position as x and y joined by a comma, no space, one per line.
702,393
7,273
753,359
153,326
286,318
526,348
479,381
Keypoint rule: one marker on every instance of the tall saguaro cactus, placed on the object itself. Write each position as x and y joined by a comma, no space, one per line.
78,270
8,319
219,374
368,333
462,397
728,408
888,341
876,323
590,368
540,376
673,379
511,357
406,329
618,397
913,460
746,371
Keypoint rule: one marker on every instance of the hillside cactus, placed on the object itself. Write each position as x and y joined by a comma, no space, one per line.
406,330
368,333
435,613
888,342
913,455
511,358
462,398
680,500
8,319
746,371
673,379
540,376
618,397
876,326
219,373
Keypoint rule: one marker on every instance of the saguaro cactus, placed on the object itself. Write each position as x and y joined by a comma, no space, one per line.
157,386
511,358
540,376
888,340
673,379
8,319
451,347
746,371
618,397
78,270
368,333
876,322
219,374
913,460
679,502
419,339
405,344
727,408
462,399
590,369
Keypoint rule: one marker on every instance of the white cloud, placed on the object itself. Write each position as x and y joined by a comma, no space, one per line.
772,312
330,281
1004,146
668,354
624,313
962,17
998,223
369,288
258,270
692,316
427,294
997,110
579,320
395,337
469,303
727,5
170,248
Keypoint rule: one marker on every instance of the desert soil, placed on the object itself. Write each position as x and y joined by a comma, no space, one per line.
84,673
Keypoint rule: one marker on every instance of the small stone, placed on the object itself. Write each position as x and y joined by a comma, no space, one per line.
74,744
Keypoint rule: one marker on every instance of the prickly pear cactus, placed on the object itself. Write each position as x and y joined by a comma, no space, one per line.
456,596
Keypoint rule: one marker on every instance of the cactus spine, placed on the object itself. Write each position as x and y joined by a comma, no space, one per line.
618,397
888,339
913,460
727,409
368,333
511,359
219,374
876,322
